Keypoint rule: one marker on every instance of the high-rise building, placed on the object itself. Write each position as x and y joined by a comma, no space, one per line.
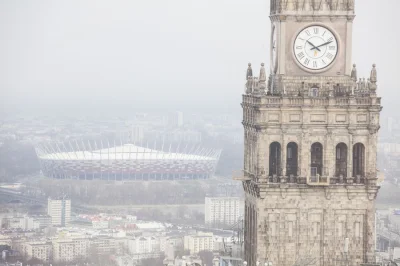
222,210
310,176
59,210
175,119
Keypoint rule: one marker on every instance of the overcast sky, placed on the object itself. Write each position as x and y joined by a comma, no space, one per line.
91,54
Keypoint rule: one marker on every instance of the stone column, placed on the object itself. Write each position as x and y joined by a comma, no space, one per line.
282,50
329,153
299,157
261,154
350,156
370,151
266,142
304,154
349,45
370,232
245,164
283,153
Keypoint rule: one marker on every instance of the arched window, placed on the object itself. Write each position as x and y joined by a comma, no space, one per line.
291,159
316,159
341,160
274,158
359,160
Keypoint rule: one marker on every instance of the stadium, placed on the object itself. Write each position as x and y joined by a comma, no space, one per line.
126,162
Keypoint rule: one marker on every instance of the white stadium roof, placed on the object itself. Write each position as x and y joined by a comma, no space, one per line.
126,152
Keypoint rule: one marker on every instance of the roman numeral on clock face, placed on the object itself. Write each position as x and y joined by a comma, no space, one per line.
307,61
316,30
315,65
299,47
300,55
329,55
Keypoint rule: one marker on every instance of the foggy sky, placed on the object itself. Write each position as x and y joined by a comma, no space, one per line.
103,54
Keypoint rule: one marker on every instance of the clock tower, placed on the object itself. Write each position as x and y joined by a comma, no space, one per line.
310,176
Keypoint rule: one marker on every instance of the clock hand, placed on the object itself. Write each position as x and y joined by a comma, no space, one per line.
316,47
313,46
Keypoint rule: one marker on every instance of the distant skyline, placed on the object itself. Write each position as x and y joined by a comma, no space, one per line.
102,56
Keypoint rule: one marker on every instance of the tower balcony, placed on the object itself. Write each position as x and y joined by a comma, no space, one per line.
301,101
311,91
313,180
316,180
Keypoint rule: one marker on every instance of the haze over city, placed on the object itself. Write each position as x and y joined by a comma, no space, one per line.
62,56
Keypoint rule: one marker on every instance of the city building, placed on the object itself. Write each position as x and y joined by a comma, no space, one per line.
175,119
198,242
310,171
128,162
144,245
69,249
220,211
63,250
59,210
43,220
104,244
26,222
38,250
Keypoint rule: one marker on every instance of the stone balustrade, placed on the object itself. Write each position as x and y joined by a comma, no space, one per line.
314,181
307,101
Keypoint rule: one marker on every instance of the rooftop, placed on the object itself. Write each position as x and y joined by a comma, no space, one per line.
126,152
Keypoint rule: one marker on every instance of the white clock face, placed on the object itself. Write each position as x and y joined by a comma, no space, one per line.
315,47
274,49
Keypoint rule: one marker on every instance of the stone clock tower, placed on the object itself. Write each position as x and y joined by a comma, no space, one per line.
310,142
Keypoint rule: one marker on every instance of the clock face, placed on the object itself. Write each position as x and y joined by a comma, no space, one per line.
274,49
315,47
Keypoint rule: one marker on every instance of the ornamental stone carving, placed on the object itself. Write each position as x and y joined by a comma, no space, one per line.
354,73
249,72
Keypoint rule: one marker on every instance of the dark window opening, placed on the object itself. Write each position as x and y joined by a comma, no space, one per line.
316,159
341,160
291,159
274,159
358,160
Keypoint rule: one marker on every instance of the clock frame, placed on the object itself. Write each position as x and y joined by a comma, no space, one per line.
302,57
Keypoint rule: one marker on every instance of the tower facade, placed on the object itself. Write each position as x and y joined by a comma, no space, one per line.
310,142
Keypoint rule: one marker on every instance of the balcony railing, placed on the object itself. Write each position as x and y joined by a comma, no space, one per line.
318,180
314,101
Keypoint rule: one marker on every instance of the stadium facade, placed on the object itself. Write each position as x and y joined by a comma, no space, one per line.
126,162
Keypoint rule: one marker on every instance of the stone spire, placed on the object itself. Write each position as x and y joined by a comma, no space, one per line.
373,76
249,72
262,78
354,73
373,79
